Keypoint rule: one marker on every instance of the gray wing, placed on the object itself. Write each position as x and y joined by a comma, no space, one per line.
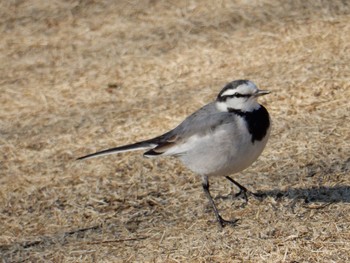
201,122
205,120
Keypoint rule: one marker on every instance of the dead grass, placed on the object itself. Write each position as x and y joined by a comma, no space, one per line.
79,76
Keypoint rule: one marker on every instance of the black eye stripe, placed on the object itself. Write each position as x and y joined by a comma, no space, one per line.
236,95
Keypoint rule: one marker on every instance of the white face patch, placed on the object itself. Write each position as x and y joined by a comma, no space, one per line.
244,103
240,96
238,103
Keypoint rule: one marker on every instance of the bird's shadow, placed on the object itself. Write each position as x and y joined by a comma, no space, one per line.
323,194
338,194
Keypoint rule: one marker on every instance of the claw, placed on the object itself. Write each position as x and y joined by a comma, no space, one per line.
222,222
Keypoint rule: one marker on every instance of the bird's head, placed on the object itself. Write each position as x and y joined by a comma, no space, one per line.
239,95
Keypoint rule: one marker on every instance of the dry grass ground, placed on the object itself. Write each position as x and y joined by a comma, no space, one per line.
80,76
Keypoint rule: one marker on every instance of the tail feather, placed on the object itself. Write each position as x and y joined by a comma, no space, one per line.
125,148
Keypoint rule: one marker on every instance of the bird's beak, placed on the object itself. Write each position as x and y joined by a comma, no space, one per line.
261,93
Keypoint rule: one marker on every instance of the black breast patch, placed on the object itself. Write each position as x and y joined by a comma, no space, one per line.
258,121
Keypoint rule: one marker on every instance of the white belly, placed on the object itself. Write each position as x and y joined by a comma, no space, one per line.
225,151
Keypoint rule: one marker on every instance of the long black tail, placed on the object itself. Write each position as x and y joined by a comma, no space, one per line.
125,148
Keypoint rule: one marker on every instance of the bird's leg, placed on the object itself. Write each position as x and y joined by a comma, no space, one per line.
242,190
220,220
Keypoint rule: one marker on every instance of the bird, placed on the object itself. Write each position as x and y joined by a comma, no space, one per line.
222,138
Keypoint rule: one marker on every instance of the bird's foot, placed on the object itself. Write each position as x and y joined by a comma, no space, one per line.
244,194
223,222
258,196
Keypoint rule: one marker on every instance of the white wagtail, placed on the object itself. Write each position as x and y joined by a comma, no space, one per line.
222,138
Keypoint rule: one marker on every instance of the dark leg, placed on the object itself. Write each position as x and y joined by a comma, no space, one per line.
242,190
220,220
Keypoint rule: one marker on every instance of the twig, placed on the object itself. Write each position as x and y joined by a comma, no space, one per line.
50,240
80,230
116,240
